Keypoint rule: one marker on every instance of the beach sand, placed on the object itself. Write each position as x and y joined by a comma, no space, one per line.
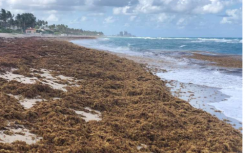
134,110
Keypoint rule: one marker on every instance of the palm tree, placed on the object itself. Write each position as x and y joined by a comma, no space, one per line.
10,19
3,17
26,20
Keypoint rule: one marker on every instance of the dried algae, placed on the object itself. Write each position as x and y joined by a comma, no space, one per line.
136,106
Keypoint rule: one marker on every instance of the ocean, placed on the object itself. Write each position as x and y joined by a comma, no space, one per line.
148,44
223,86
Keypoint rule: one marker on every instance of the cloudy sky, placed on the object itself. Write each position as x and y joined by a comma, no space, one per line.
156,18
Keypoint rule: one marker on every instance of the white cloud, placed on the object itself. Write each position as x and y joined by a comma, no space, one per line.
109,19
52,18
184,21
96,14
121,10
126,7
175,6
146,6
132,18
214,7
161,12
163,17
30,2
89,2
84,18
45,1
181,21
126,25
233,16
52,12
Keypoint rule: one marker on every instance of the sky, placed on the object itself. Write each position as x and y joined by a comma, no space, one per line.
152,18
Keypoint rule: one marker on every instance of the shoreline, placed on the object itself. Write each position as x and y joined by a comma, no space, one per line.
208,58
132,107
187,94
48,36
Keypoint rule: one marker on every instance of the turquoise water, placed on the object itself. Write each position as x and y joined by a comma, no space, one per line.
148,44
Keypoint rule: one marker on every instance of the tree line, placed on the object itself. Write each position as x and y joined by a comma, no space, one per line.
61,28
27,20
22,21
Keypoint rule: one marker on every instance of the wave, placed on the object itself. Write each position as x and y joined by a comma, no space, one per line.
200,40
229,85
182,46
195,40
161,38
95,44
104,39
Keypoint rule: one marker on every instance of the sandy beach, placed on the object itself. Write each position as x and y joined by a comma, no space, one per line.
94,101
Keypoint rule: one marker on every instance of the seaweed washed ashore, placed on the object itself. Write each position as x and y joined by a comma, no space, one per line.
104,103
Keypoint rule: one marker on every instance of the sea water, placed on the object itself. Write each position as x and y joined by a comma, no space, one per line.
228,81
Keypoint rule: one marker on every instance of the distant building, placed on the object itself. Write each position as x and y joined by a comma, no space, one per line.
125,34
44,30
31,30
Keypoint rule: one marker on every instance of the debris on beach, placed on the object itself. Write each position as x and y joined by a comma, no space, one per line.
96,102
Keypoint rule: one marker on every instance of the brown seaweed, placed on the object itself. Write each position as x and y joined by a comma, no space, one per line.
136,106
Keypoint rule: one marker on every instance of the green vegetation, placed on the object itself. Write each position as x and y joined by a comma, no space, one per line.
10,23
64,29
21,22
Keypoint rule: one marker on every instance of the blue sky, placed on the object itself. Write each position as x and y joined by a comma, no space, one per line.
154,18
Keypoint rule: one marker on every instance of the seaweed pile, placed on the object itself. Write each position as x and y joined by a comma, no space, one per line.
138,113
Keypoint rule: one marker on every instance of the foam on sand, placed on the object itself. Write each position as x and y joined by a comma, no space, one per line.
93,115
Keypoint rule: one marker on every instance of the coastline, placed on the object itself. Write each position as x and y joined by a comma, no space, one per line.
173,62
49,36
136,106
199,96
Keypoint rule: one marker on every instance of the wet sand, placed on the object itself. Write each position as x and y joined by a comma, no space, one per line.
201,97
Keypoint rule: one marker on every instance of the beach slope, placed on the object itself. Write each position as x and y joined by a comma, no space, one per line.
100,103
